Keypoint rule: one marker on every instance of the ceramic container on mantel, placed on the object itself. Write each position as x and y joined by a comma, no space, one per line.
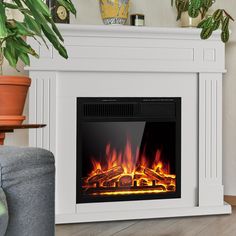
114,12
187,21
13,92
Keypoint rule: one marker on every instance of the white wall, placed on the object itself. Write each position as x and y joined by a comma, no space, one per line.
157,12
160,13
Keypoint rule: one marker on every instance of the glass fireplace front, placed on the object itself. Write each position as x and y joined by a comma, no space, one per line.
128,149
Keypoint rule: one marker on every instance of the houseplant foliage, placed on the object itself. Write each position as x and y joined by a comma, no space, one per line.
37,23
218,20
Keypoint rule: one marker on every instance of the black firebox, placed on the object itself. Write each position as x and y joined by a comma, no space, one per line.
128,149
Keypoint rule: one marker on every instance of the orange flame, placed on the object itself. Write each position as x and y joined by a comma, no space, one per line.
125,173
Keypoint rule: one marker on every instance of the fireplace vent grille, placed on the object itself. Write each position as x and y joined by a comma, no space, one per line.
110,110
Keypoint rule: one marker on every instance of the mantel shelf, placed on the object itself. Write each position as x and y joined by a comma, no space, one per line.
126,30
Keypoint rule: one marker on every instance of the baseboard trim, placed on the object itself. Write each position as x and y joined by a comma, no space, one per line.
231,200
142,214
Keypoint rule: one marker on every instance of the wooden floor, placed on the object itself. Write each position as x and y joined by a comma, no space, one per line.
190,226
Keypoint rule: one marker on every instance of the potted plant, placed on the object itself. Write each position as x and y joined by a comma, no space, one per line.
197,9
37,22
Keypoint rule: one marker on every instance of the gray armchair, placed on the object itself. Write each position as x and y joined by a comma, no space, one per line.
27,190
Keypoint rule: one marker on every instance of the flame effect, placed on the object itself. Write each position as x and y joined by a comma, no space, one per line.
127,173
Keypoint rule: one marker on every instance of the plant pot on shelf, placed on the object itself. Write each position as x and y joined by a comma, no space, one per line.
187,21
114,12
13,92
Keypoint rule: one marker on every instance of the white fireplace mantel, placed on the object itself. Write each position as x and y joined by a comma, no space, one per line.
123,61
128,49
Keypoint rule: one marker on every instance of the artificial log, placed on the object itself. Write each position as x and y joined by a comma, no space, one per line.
107,175
114,172
143,182
160,187
153,174
97,178
158,170
125,181
139,176
110,183
169,180
171,188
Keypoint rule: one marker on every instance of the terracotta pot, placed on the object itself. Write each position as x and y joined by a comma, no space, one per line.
13,92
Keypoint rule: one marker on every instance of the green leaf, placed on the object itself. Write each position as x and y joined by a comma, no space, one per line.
32,25
206,33
216,25
207,3
225,24
21,45
10,5
41,6
18,3
217,15
35,27
37,23
196,4
10,54
55,29
193,12
40,18
22,29
25,58
202,24
3,29
225,36
56,44
206,23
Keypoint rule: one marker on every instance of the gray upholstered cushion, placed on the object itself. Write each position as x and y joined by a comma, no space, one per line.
28,180
3,212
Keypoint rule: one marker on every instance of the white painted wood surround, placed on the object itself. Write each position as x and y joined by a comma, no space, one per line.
124,61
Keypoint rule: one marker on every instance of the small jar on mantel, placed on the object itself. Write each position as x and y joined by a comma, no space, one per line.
137,20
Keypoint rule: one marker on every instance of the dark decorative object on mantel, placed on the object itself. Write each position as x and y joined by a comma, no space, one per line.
137,20
59,13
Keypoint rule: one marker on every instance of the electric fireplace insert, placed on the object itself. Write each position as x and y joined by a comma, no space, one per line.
128,149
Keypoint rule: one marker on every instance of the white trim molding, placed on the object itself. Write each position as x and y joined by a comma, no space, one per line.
210,139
